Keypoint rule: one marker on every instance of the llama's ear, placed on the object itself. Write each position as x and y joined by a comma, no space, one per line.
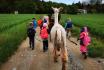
60,8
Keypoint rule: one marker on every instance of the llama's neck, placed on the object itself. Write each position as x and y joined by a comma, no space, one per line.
56,18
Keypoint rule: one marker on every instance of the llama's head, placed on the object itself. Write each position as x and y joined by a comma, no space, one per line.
57,10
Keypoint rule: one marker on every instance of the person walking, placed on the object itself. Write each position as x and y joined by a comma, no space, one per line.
40,23
68,28
84,41
44,36
31,34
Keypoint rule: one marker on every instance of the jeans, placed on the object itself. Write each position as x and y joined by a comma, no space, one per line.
31,42
45,45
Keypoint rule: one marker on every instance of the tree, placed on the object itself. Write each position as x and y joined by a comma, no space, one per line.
92,2
79,4
99,1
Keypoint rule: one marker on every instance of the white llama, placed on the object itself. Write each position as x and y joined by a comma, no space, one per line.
58,38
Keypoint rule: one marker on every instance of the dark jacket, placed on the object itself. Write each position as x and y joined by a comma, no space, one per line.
68,25
31,32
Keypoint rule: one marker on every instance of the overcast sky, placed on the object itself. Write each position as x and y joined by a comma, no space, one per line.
67,1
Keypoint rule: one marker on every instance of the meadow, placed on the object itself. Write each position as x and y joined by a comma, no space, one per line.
95,22
13,31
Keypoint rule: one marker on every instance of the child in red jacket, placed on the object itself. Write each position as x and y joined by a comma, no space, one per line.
44,36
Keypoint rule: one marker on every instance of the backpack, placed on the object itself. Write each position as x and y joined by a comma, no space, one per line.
40,22
44,33
69,25
31,32
86,39
34,24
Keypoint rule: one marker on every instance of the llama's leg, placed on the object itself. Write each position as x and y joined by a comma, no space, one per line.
64,66
55,54
69,35
67,31
64,58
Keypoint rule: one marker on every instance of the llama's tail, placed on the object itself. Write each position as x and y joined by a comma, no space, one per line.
58,34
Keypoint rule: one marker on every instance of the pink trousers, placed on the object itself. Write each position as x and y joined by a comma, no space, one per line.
83,48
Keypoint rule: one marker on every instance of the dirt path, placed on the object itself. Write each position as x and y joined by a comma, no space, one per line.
27,59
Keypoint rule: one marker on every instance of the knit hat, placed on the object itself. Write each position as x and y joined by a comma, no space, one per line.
44,24
30,24
85,29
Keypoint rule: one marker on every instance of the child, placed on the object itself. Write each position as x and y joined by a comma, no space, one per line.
84,41
44,36
68,26
34,23
31,33
40,22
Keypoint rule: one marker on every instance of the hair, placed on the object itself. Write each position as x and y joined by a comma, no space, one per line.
45,21
69,19
84,29
31,24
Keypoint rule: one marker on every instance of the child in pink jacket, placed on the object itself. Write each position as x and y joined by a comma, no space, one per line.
84,41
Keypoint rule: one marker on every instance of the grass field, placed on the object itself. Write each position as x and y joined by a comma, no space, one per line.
13,31
95,22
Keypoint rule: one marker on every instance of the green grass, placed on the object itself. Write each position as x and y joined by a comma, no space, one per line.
12,38
12,33
95,23
9,20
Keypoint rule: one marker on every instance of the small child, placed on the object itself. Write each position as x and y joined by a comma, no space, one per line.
31,34
84,41
34,23
40,22
44,36
68,27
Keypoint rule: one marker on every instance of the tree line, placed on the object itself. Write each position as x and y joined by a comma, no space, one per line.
42,7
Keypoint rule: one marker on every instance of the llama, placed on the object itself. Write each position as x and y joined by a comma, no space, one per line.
58,39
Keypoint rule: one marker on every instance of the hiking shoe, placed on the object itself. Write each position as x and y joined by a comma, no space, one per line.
32,48
85,56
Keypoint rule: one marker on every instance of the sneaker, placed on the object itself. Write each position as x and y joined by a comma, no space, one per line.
85,56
